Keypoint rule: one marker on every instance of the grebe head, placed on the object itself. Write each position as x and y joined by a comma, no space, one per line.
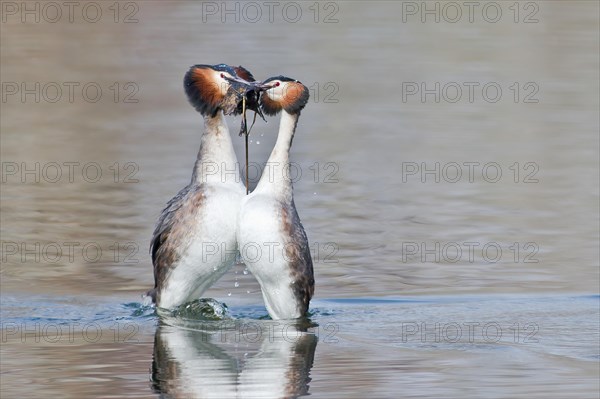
211,88
283,93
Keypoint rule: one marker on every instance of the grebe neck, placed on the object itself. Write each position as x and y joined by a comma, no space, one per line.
216,161
276,175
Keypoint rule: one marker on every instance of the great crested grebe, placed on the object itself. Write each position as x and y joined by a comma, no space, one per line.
271,239
194,242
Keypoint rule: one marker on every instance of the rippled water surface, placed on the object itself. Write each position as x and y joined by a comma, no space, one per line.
446,174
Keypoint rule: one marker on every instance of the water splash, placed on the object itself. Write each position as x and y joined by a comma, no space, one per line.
202,309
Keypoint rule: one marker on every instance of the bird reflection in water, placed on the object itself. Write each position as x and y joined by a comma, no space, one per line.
233,359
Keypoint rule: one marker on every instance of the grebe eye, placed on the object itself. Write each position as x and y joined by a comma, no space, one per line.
277,84
223,75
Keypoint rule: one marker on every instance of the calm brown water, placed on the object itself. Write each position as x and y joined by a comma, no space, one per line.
446,174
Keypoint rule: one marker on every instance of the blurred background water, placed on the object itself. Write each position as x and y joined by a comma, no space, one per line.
446,174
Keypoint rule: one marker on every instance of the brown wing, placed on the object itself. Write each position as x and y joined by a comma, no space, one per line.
298,254
171,235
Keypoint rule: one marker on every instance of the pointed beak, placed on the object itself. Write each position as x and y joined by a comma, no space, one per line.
257,86
242,89
263,86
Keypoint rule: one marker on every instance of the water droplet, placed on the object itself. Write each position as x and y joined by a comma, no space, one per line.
247,291
229,294
236,284
315,193
257,142
246,271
